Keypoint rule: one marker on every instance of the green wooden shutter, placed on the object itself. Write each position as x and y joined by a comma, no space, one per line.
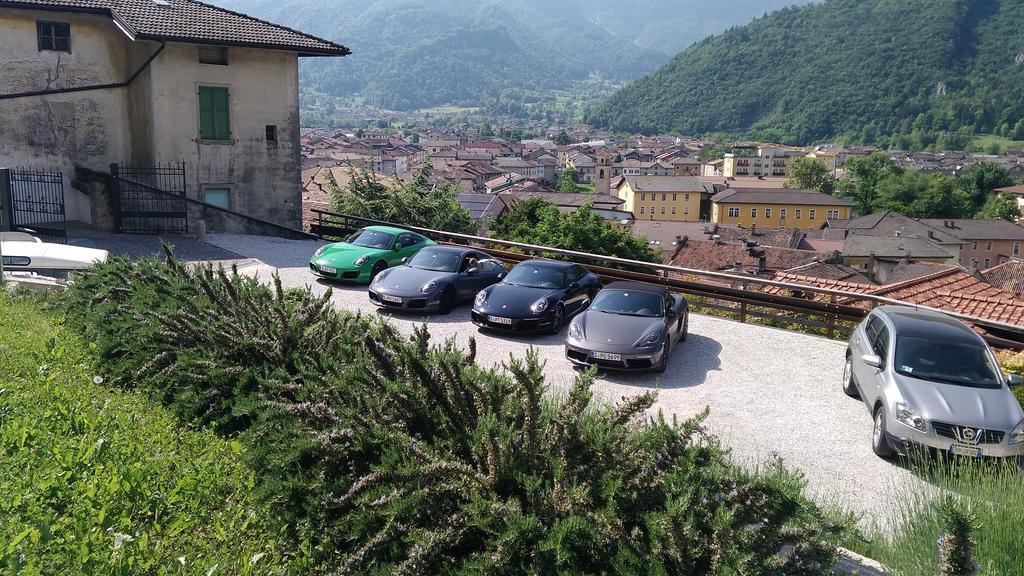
214,114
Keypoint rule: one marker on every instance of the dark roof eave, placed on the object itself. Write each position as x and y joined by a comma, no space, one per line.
301,50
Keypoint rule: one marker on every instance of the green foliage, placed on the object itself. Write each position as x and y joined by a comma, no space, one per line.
414,203
569,181
865,173
534,221
776,79
390,455
918,195
957,543
96,481
990,495
981,180
1003,206
811,174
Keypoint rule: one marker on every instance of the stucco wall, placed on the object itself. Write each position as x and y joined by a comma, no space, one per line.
156,119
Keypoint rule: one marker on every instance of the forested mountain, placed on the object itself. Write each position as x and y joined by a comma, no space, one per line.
905,72
410,54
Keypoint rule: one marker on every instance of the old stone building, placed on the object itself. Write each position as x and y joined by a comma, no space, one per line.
142,83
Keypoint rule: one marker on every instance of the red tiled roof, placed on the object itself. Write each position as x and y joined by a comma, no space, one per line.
718,256
190,21
1008,276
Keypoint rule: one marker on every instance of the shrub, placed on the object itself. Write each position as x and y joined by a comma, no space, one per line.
390,454
102,482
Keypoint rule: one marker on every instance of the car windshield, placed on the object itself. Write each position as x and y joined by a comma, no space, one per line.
536,276
371,239
951,362
629,303
436,260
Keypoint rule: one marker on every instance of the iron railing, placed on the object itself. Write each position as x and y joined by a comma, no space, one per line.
36,202
150,199
827,311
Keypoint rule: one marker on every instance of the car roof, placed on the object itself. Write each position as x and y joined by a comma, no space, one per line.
637,287
390,230
450,248
910,321
549,263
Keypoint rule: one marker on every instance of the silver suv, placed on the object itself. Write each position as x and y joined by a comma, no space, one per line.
929,380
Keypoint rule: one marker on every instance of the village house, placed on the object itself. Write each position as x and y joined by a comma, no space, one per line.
771,208
749,159
986,243
680,198
147,83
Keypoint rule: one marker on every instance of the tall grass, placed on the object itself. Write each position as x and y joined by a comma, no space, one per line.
95,481
992,490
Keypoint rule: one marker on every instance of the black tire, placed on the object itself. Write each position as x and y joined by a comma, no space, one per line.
378,267
879,444
663,363
447,301
849,387
558,320
686,328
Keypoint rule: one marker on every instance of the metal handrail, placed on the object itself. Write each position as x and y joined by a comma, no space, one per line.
676,269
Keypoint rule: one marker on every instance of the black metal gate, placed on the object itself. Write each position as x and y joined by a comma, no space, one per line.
150,200
36,202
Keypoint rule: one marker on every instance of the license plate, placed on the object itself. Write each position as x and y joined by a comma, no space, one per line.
499,320
389,298
959,450
607,356
328,270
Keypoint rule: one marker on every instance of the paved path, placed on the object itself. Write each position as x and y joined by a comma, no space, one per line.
771,392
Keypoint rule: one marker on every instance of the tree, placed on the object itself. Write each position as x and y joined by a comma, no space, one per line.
865,172
981,180
563,139
569,181
535,221
416,202
811,174
922,196
1003,206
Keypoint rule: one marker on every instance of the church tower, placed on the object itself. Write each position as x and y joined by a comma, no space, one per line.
603,172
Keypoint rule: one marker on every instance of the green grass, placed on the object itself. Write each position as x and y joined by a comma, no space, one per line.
982,142
95,481
993,491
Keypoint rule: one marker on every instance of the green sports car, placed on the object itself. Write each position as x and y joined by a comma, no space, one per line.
365,253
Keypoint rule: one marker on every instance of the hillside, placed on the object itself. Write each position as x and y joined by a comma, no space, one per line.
916,70
411,54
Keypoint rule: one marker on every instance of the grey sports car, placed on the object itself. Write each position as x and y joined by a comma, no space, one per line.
436,278
629,326
929,380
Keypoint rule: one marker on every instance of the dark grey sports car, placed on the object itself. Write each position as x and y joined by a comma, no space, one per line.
437,278
629,326
536,295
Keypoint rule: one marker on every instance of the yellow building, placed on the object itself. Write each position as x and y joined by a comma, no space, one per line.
747,159
777,208
675,198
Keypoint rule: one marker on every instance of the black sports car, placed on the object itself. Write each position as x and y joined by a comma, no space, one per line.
436,278
536,295
630,326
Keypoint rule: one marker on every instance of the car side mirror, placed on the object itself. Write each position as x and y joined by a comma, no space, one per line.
574,287
405,259
472,271
1014,380
397,247
872,360
670,312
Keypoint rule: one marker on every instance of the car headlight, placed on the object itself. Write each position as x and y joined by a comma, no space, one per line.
652,338
362,260
320,251
576,330
428,287
481,297
906,414
1017,436
379,278
540,306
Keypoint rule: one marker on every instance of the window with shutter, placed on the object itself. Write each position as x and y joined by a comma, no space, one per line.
214,114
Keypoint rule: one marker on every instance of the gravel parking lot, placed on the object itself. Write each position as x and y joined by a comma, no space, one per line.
771,392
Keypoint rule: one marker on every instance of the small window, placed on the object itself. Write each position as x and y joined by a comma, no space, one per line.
782,213
674,197
664,197
217,55
214,113
974,245
220,197
271,132
17,260
988,246
753,212
767,212
662,209
988,263
686,210
643,196
1016,247
798,213
812,214
734,212
673,209
641,209
686,197
54,36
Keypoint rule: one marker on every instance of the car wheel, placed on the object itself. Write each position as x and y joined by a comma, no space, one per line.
378,267
663,363
879,444
849,388
447,301
558,319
